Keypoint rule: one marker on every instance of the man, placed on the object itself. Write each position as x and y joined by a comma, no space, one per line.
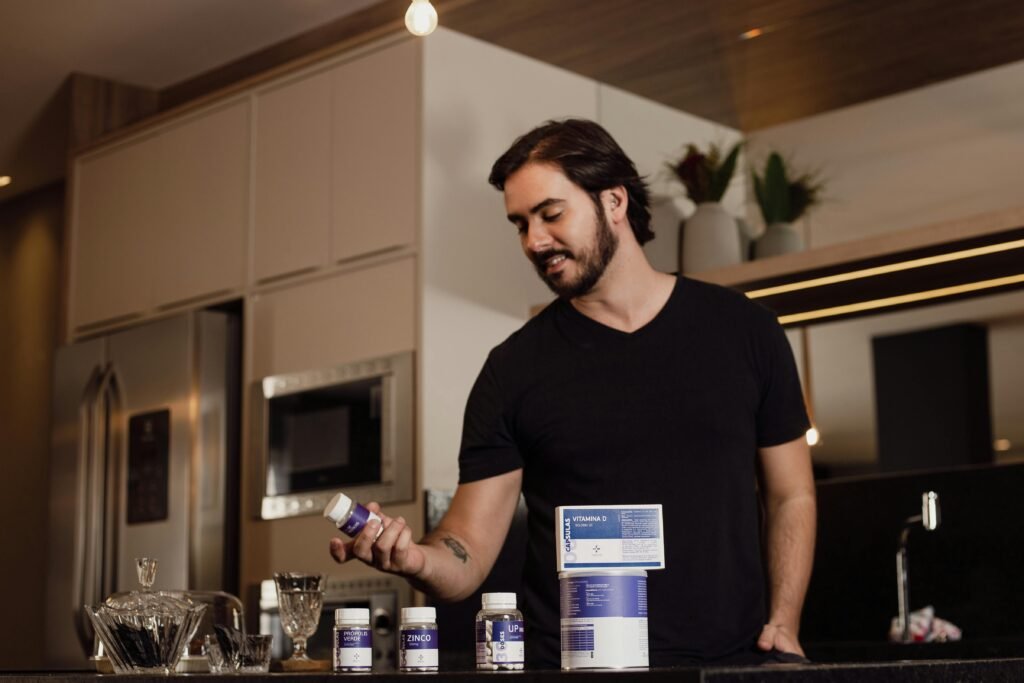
635,386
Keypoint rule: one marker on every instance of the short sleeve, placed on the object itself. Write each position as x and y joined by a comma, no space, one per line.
488,448
781,415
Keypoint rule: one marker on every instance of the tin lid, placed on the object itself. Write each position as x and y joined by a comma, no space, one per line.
337,508
352,615
498,600
583,573
418,615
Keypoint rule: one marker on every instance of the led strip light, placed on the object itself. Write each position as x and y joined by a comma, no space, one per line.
901,299
882,270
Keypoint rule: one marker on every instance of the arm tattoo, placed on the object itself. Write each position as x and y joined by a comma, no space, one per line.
456,548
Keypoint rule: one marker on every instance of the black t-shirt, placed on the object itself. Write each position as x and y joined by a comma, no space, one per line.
672,413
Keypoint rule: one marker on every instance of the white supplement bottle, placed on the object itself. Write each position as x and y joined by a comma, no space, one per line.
417,639
500,634
353,646
349,516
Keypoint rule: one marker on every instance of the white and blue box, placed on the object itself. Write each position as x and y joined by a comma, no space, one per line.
609,537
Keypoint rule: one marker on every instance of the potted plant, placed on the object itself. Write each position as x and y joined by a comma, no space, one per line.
782,201
709,238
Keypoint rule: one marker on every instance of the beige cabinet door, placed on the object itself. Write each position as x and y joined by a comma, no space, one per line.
292,177
376,151
116,195
201,231
356,315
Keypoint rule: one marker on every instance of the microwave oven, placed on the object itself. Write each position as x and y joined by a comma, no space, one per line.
347,428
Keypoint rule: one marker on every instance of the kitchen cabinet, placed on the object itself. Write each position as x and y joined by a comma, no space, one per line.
115,194
200,231
376,151
161,219
355,315
335,167
292,177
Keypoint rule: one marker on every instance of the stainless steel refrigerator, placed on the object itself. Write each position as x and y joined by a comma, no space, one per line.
143,464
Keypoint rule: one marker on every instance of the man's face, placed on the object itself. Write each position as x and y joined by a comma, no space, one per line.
565,236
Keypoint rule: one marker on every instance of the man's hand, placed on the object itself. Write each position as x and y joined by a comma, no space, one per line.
781,638
394,552
453,560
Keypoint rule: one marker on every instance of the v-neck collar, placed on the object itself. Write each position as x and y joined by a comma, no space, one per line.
594,327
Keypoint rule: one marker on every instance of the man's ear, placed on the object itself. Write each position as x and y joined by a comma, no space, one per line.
616,202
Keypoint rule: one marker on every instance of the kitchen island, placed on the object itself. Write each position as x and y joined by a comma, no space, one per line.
987,670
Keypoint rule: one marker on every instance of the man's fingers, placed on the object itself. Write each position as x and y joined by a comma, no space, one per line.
384,545
340,551
363,545
401,552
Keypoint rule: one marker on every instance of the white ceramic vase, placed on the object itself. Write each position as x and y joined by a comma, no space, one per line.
711,239
778,238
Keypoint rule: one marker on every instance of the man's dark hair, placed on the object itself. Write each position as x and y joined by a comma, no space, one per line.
589,157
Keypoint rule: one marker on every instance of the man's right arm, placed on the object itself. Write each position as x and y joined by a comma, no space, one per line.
453,560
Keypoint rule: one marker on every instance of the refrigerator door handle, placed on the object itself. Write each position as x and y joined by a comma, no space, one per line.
80,593
111,405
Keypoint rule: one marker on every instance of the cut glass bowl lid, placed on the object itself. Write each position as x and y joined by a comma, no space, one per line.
145,631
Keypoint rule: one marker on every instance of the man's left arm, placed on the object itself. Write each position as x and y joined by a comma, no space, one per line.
787,485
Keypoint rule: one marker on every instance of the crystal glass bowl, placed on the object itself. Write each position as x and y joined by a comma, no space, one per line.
145,631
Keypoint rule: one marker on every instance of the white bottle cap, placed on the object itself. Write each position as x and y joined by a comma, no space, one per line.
352,615
337,508
418,615
499,600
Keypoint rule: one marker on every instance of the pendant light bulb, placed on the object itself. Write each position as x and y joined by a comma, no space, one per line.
421,18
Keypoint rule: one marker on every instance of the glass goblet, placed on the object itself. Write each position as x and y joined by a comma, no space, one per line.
300,599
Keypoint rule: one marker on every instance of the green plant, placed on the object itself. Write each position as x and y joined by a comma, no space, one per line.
706,175
783,200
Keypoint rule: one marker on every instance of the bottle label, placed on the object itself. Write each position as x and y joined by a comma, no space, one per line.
418,648
353,648
500,642
590,596
357,520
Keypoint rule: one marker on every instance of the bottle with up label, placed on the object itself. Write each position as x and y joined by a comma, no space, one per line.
500,635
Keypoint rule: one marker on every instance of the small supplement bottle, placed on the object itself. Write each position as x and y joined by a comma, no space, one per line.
500,635
417,639
353,648
349,516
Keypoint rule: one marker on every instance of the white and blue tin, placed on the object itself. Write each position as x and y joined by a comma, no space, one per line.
603,619
417,639
353,640
594,537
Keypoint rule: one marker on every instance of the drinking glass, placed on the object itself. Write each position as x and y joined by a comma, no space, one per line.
300,598
219,663
255,655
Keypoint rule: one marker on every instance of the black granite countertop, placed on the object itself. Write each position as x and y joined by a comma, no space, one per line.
986,670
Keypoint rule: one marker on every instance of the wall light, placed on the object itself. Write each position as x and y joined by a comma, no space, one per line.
5,180
421,18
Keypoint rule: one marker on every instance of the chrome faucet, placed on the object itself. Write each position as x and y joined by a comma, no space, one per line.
929,519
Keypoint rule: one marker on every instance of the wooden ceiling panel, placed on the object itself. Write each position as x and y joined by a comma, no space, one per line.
814,55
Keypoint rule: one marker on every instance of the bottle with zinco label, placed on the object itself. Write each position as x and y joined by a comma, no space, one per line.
417,639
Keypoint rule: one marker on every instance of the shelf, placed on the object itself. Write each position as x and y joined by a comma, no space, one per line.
929,264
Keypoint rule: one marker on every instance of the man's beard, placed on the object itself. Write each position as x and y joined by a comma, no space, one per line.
591,262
